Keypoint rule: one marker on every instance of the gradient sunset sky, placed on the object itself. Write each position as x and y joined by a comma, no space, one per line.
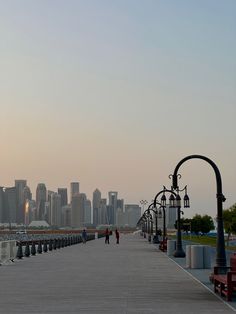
114,94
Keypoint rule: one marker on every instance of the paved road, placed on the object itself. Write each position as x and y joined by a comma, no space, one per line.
132,278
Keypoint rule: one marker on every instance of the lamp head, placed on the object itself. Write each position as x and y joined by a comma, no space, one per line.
172,201
163,200
186,201
178,201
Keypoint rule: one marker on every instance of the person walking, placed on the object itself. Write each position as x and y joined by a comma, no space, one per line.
107,234
117,237
84,236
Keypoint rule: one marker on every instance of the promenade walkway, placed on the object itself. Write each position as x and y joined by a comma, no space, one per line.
132,277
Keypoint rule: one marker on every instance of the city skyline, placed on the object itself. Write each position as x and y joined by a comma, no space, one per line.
52,208
117,93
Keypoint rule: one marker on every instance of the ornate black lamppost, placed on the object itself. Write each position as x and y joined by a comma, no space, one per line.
144,223
174,201
148,217
220,245
164,222
155,211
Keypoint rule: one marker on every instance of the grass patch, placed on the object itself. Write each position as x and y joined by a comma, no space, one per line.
205,240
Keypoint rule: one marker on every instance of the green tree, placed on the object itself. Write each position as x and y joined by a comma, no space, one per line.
207,224
185,224
203,224
196,224
229,218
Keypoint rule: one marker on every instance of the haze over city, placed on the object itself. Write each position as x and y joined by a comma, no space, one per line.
114,94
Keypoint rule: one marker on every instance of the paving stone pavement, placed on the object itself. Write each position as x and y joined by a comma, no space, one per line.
130,278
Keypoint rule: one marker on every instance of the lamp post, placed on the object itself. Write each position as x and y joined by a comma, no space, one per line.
220,244
151,207
164,222
148,217
143,221
175,201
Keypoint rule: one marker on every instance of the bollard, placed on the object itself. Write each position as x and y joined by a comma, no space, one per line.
62,242
45,246
70,240
66,242
188,256
33,249
54,244
27,250
58,244
39,249
171,247
50,246
197,256
19,254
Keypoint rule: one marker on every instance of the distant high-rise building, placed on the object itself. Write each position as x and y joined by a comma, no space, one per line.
171,217
112,197
74,189
133,213
30,211
87,212
55,210
47,212
78,210
63,193
120,218
49,195
41,198
66,216
27,196
120,204
10,205
20,185
103,219
110,215
96,205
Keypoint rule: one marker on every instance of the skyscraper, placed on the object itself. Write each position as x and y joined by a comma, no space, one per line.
20,185
133,213
27,196
63,193
55,210
74,189
96,205
112,196
10,205
87,212
66,216
103,219
171,217
78,210
120,204
41,197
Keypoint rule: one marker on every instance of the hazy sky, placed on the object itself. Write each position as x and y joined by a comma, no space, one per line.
114,93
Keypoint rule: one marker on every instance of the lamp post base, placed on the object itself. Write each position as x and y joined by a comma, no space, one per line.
179,253
155,239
